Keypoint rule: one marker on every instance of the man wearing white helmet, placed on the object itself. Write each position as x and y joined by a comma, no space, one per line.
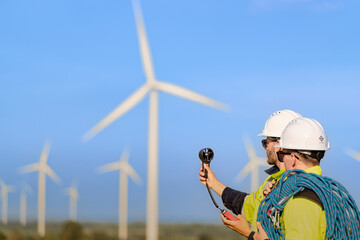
299,206
247,204
302,146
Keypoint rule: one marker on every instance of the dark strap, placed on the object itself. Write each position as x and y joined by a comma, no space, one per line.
251,236
310,195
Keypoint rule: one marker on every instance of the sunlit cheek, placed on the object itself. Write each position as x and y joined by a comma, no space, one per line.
287,165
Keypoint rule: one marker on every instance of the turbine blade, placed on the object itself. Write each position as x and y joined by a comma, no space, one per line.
115,165
30,168
262,162
250,150
125,156
125,166
353,154
256,160
120,110
143,42
52,174
109,167
244,172
45,153
190,95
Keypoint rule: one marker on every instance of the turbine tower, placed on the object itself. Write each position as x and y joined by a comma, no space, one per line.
26,189
74,195
43,170
152,86
355,155
5,189
252,166
125,170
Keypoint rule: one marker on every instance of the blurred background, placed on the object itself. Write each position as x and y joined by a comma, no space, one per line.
66,65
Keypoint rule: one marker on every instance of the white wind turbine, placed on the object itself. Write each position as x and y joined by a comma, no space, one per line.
152,86
74,195
125,170
26,189
252,166
43,170
355,155
5,189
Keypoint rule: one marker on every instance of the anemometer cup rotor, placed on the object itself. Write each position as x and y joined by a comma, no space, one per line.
206,155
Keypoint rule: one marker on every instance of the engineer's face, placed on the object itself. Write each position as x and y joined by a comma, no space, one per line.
288,161
288,157
271,151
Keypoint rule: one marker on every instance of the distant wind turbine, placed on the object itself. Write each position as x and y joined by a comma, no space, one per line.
74,195
43,170
4,196
26,189
125,170
355,155
152,86
252,166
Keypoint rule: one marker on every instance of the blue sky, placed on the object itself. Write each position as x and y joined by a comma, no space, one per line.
65,65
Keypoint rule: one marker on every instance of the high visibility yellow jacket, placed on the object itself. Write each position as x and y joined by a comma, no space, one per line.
304,218
252,201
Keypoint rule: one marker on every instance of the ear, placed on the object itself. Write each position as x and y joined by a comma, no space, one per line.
278,149
293,160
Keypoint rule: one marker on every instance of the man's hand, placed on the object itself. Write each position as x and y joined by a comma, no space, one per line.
241,226
268,187
261,235
211,180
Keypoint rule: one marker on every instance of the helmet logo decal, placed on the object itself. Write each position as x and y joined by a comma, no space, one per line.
321,138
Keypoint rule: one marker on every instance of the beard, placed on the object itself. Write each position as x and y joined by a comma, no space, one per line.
271,157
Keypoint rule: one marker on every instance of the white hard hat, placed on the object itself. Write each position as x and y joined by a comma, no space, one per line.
304,134
277,123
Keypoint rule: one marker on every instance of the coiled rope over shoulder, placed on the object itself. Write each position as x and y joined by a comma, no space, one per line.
342,214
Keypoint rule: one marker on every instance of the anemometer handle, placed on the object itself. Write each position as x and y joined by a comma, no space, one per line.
228,215
206,155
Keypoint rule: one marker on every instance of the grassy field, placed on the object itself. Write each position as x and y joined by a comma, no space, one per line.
108,231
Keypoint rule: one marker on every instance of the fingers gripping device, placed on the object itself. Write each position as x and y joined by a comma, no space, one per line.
206,155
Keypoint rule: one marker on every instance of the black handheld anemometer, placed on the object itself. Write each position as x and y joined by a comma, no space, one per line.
206,155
